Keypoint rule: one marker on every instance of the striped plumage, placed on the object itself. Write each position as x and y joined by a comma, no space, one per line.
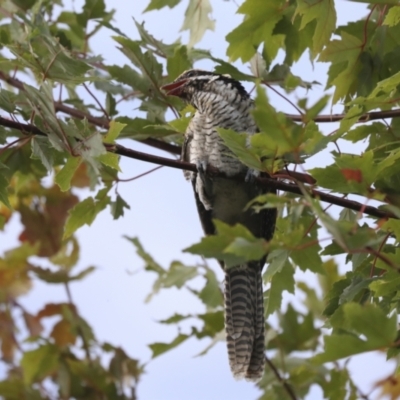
221,101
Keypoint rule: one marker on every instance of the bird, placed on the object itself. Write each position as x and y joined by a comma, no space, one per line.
222,102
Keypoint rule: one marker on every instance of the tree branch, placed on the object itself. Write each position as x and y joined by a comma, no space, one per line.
100,122
269,182
278,376
371,116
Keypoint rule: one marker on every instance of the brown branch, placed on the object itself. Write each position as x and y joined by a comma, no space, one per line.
140,175
371,116
374,115
268,182
100,122
281,380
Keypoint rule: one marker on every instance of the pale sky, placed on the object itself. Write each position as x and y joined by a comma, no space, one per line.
164,218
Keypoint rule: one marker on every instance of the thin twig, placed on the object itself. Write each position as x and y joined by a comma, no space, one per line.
96,100
284,98
140,175
79,329
278,376
268,182
379,250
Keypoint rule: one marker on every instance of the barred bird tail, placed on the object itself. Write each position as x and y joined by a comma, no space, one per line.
244,321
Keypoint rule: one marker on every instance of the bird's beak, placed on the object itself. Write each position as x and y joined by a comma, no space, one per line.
174,88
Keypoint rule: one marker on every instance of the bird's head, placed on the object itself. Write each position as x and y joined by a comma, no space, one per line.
190,84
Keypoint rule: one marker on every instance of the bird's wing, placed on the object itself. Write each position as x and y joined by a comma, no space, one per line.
205,215
185,154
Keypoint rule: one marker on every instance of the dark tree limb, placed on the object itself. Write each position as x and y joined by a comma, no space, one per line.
269,182
99,122
281,380
159,144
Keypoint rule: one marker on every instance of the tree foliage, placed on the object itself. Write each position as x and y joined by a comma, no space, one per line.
47,130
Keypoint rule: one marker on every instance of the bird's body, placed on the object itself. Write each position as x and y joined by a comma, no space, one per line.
221,101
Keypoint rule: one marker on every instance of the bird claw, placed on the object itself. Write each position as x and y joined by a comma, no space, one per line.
201,166
201,169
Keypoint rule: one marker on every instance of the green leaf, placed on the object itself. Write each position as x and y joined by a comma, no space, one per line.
232,244
158,4
178,63
160,348
393,16
350,173
64,176
85,212
277,259
110,159
68,255
42,102
117,207
324,26
151,264
7,100
4,192
180,124
175,319
39,363
92,9
386,285
111,104
213,323
307,257
281,281
92,146
257,28
357,285
392,226
197,20
298,332
130,77
225,68
279,134
346,64
368,320
237,143
48,59
386,85
336,387
61,276
113,132
178,274
150,42
211,294
147,63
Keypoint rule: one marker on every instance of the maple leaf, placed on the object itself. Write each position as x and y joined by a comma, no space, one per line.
197,20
